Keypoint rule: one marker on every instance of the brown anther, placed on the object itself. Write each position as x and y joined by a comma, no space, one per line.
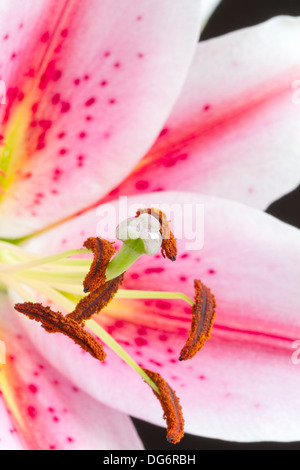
103,251
203,312
168,246
96,300
55,322
171,407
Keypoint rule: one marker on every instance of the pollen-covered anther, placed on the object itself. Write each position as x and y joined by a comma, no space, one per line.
171,407
203,311
103,250
96,300
168,244
56,322
144,227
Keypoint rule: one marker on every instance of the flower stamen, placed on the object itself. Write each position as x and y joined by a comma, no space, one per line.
203,312
96,300
103,251
168,246
171,407
106,338
18,255
60,278
55,322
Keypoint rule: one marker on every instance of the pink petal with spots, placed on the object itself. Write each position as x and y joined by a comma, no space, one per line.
88,91
242,385
44,410
234,131
9,439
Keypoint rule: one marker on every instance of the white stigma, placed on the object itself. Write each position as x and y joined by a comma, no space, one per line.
146,227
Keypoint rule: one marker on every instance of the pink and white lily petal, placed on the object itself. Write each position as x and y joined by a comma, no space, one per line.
234,131
88,91
43,409
242,385
8,438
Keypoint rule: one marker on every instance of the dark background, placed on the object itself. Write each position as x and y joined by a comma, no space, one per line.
229,16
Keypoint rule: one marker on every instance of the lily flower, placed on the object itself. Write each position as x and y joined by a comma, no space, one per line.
91,115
